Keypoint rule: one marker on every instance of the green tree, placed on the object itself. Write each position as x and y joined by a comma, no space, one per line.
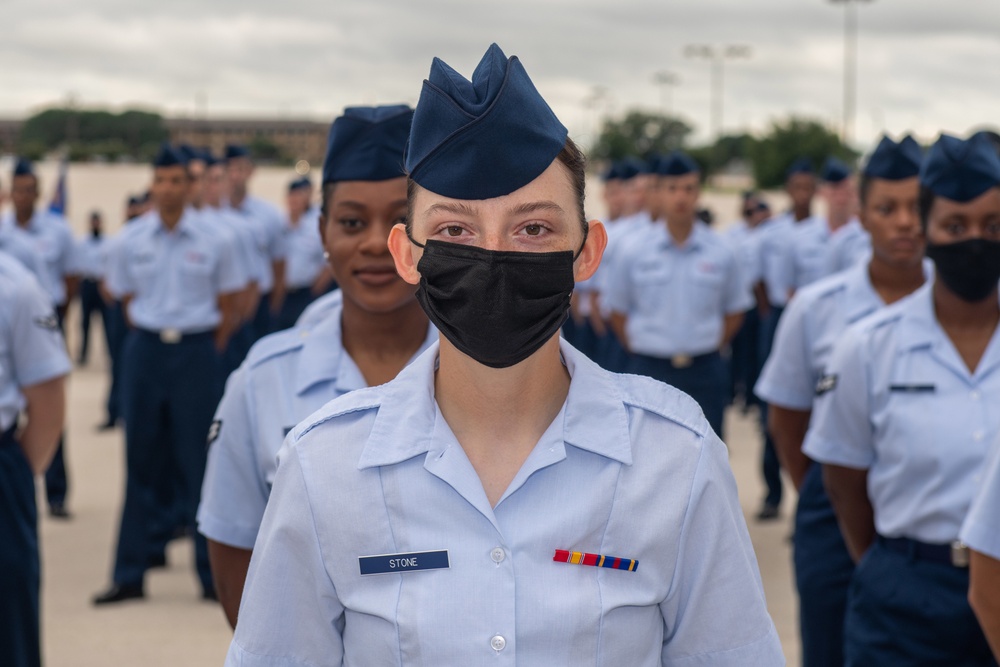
93,132
264,149
772,154
639,133
724,151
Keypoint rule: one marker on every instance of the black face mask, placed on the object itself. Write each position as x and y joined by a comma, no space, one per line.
970,269
498,307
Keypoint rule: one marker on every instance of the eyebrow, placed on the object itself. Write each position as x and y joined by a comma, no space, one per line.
456,208
535,206
354,204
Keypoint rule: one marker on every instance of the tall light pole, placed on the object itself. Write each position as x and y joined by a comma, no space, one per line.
717,55
666,80
850,65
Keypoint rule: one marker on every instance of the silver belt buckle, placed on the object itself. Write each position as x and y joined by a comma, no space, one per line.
171,336
959,554
681,360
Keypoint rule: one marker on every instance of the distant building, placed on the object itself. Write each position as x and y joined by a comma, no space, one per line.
294,139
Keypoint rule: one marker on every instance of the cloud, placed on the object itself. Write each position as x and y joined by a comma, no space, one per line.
921,66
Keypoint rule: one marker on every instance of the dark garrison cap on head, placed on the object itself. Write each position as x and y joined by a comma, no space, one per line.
677,164
170,156
482,138
835,171
802,165
367,144
894,161
299,184
234,151
23,167
960,170
611,173
631,167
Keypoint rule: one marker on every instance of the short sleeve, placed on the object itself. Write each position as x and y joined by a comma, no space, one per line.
118,279
981,530
39,352
234,493
738,297
231,277
787,378
715,612
619,285
841,430
290,614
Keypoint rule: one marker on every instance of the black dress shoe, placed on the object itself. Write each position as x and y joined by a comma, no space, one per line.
58,511
119,593
768,512
157,561
107,426
209,595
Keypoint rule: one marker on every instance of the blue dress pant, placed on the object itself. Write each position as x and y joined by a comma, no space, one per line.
117,331
171,392
770,465
261,324
705,380
823,570
902,611
743,364
20,572
56,478
90,302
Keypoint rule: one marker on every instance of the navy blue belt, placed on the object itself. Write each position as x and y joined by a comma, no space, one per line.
680,361
954,553
175,336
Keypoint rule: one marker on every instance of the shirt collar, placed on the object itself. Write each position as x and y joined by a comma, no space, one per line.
184,225
595,417
921,327
862,299
695,239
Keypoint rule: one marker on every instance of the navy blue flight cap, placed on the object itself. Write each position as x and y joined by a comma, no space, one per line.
23,167
170,156
209,157
299,184
631,167
835,171
367,144
802,165
611,173
677,164
960,170
482,138
234,151
894,161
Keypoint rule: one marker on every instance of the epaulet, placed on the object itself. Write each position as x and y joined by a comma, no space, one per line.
276,344
359,400
664,400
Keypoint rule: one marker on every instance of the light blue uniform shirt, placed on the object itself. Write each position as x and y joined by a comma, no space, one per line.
319,308
629,468
899,402
810,245
286,377
305,250
675,298
745,242
849,245
620,233
214,224
269,230
246,238
981,529
775,259
814,320
175,278
32,350
49,233
91,256
18,246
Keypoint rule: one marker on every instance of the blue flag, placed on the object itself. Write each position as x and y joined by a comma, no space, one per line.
58,203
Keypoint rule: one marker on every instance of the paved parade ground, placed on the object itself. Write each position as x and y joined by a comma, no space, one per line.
172,626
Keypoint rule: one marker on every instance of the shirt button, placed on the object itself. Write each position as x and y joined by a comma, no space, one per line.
498,643
977,436
498,555
974,395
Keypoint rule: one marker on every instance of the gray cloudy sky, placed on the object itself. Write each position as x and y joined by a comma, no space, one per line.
924,65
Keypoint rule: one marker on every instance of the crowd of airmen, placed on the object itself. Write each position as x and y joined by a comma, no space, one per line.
865,336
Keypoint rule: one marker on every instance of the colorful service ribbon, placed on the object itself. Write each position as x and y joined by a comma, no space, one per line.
595,560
